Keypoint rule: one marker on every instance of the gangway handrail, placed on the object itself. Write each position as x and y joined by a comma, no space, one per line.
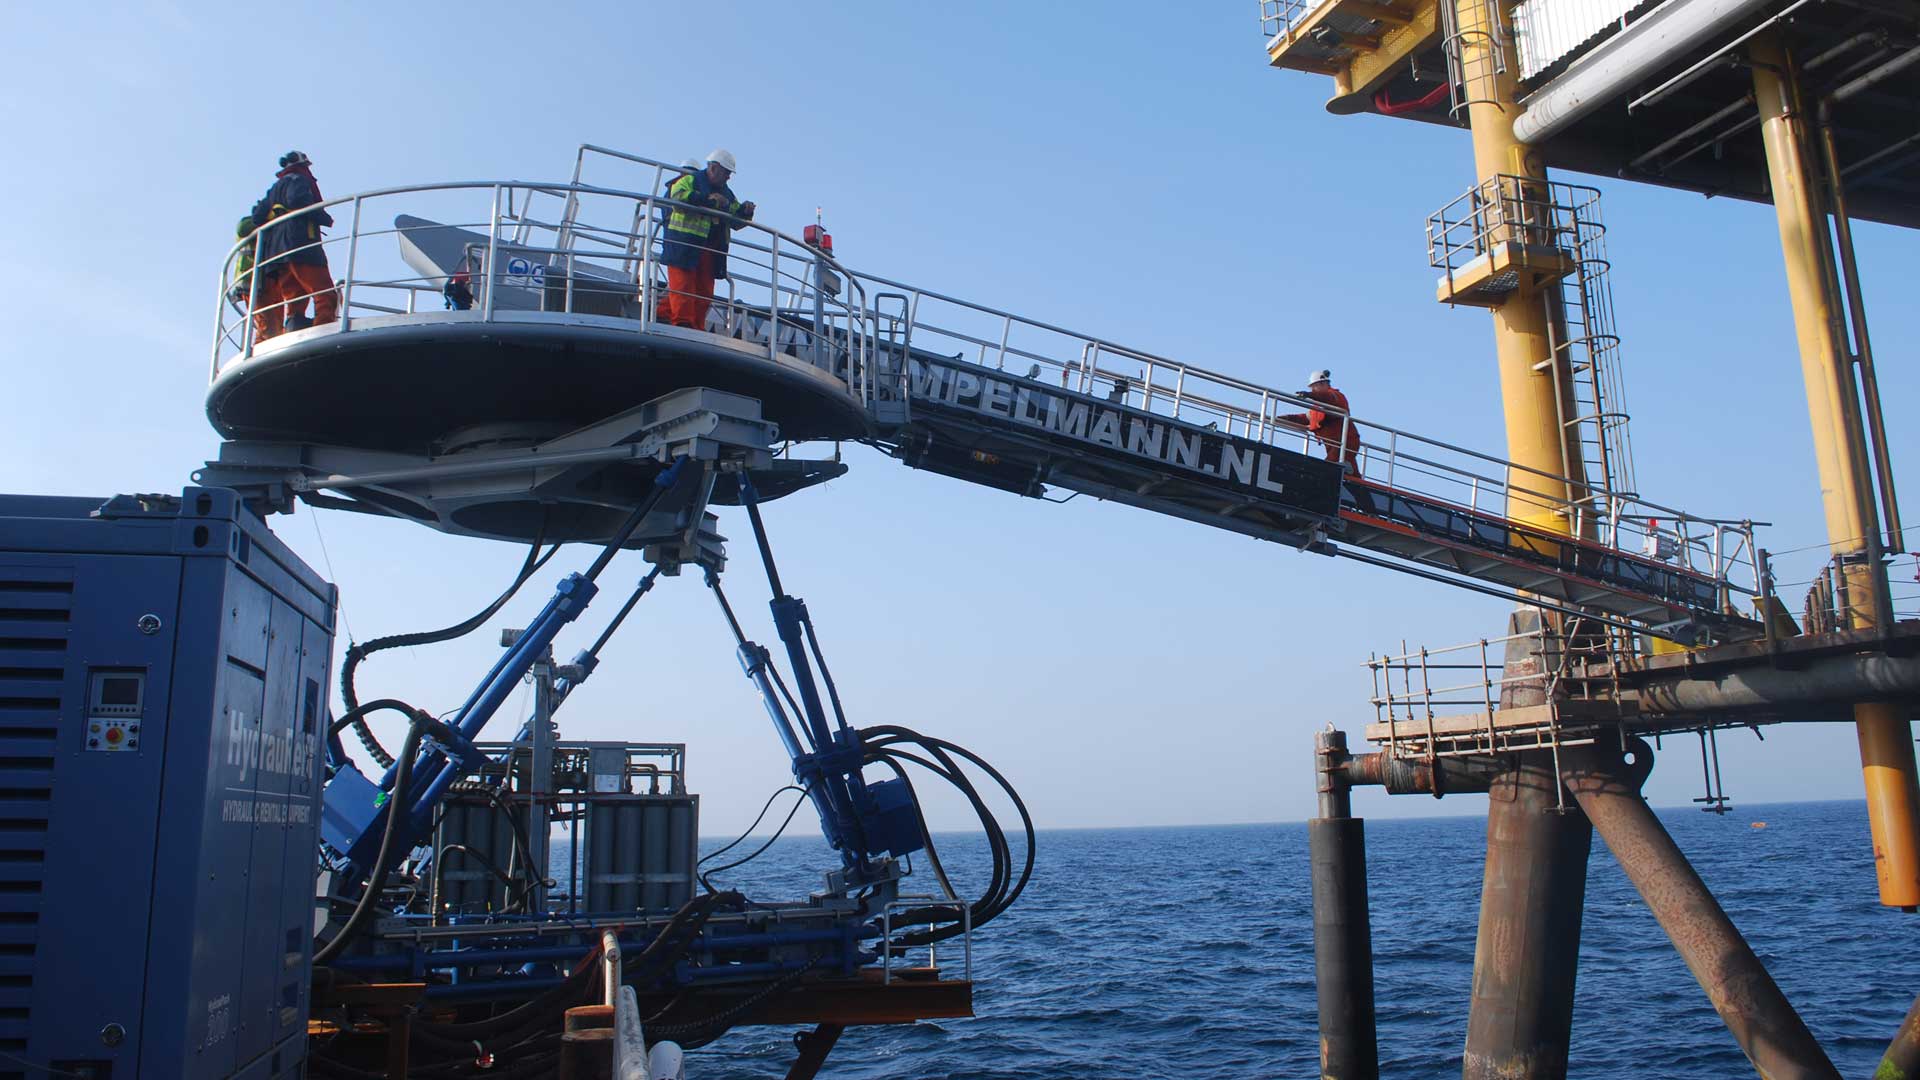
1577,505
855,309
1567,510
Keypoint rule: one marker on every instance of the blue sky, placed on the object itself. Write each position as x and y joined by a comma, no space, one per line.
1122,169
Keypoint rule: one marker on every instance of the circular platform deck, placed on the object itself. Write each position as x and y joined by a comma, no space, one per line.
418,383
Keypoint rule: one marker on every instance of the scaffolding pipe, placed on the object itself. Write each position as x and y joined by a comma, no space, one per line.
1606,782
1342,924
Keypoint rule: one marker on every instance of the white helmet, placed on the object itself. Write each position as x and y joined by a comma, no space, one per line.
1323,375
722,159
691,165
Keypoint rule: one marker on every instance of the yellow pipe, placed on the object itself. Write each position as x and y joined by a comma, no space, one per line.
1885,733
1536,415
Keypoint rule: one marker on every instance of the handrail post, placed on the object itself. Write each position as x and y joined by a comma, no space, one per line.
253,294
773,302
647,299
820,317
353,254
493,248
1006,331
219,319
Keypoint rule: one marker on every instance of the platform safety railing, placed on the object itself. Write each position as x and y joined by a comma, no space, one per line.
781,295
1415,690
799,304
914,324
912,903
1279,17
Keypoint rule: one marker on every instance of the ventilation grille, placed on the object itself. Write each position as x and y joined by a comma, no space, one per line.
33,658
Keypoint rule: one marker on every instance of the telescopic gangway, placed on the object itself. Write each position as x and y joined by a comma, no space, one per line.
483,416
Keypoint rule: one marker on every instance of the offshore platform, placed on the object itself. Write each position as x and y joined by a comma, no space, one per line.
1554,719
500,369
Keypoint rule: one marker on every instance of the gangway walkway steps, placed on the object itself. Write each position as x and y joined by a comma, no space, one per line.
1022,433
502,439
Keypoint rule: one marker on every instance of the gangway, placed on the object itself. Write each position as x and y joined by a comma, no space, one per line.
485,418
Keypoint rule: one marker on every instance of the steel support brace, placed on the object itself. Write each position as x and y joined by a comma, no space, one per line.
1606,781
1342,928
1888,769
1902,1060
814,1046
1528,948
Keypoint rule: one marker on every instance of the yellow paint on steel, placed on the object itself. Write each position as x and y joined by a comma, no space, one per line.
1369,71
1885,732
1483,281
1536,414
1372,59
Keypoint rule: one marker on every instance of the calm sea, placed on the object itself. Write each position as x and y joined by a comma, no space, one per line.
1189,952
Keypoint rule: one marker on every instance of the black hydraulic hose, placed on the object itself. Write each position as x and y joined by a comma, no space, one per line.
516,828
926,834
992,898
1005,886
440,858
358,714
1026,819
826,676
349,693
383,862
759,851
758,818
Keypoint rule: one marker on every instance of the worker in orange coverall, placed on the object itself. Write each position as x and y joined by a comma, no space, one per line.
1336,429
291,257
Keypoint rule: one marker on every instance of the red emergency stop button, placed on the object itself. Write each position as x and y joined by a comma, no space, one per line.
113,735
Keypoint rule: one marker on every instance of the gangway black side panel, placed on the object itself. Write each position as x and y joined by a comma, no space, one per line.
1016,433
990,427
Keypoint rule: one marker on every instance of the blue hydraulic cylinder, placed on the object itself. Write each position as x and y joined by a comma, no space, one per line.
432,780
433,772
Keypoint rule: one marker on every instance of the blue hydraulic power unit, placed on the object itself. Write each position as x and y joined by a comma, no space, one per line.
163,673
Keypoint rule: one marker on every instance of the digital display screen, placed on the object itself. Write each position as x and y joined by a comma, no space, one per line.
120,690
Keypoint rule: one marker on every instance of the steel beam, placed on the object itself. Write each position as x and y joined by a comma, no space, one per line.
1606,781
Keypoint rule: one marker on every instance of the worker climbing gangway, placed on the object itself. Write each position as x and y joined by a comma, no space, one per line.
573,268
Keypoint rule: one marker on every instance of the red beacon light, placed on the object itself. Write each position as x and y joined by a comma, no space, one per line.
816,235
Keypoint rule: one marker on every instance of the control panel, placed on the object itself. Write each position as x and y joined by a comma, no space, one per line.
116,702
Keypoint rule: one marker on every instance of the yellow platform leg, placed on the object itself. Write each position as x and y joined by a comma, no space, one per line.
1537,415
1886,735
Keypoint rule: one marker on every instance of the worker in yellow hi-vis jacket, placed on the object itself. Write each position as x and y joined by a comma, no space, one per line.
695,248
